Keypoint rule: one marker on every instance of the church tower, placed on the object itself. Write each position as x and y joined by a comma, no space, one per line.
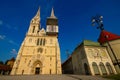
39,52
52,24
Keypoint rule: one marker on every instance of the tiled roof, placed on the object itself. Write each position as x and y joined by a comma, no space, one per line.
4,67
107,36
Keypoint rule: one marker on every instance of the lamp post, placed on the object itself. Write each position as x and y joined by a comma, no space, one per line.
98,20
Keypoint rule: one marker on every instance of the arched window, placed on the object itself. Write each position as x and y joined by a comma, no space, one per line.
37,41
33,29
43,42
86,69
95,68
109,68
102,67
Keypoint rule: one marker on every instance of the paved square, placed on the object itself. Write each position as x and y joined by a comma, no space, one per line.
51,77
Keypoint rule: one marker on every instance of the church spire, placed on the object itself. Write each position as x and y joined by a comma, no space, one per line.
36,18
38,13
52,14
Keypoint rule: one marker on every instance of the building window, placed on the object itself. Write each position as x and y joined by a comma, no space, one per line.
37,41
95,68
109,68
86,69
50,58
33,29
102,67
43,42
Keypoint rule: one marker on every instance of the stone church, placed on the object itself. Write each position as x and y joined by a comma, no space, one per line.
39,52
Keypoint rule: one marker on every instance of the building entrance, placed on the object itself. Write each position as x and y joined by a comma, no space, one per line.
37,70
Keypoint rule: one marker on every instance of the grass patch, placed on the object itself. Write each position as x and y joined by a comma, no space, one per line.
113,77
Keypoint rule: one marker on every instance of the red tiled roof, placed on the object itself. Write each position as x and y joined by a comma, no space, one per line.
107,36
4,67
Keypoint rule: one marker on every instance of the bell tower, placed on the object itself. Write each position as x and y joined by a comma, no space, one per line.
52,24
34,24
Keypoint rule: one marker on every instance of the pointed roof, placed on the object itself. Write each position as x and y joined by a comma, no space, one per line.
107,36
36,18
38,12
52,14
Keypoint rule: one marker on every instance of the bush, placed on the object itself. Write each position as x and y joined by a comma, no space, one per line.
114,77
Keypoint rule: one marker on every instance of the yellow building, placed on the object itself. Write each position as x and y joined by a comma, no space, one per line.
39,52
90,58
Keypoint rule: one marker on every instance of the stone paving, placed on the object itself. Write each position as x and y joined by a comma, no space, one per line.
51,77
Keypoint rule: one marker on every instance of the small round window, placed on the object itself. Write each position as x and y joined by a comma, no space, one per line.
40,50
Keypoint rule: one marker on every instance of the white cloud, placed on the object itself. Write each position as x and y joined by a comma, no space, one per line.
13,51
9,26
2,37
12,42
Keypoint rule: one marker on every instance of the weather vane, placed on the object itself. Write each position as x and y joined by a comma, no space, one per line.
98,20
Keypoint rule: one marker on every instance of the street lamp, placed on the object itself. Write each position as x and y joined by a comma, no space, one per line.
98,20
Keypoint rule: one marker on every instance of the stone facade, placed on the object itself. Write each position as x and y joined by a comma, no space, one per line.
39,52
67,67
90,58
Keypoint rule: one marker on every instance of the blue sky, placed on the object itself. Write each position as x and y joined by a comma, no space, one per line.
74,21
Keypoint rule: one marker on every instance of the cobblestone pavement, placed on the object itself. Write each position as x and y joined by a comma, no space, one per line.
51,77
